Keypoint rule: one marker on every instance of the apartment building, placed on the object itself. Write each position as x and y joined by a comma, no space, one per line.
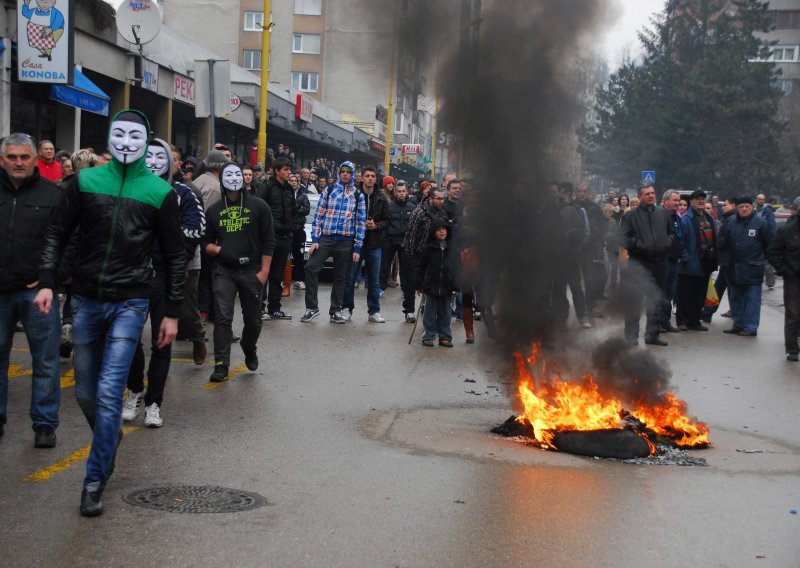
338,53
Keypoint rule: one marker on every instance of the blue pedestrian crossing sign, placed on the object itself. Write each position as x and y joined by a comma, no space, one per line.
648,178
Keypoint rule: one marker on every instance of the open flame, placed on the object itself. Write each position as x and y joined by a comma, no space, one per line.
552,404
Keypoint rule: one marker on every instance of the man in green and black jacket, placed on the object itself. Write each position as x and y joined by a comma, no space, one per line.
120,211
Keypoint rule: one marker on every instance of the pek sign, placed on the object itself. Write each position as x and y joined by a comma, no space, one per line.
45,41
183,90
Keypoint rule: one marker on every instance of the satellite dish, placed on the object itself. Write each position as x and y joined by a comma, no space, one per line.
139,21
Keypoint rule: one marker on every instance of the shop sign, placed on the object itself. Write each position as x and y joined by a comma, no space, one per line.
445,139
379,130
382,114
303,108
378,146
44,41
411,148
150,76
184,90
236,102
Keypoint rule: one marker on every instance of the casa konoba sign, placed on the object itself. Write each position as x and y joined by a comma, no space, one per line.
45,35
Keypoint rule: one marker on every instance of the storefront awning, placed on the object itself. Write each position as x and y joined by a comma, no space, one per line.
83,94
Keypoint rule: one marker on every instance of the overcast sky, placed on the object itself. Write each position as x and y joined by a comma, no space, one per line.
634,14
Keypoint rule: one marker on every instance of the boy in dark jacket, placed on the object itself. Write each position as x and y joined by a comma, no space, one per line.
437,278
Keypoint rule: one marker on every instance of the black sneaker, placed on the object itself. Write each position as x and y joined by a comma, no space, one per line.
727,314
279,315
697,327
410,318
91,502
789,357
337,317
45,436
309,315
732,331
220,373
655,340
251,360
477,315
236,339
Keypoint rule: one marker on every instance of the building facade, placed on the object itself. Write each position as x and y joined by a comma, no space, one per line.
337,53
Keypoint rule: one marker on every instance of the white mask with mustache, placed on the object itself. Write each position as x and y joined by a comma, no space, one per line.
232,178
157,160
127,141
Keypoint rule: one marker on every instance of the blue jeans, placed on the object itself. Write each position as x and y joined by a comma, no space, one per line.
105,336
436,318
43,332
372,258
745,306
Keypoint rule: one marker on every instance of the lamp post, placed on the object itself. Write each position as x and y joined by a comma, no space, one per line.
262,113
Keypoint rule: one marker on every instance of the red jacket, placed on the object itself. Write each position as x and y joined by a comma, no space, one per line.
50,171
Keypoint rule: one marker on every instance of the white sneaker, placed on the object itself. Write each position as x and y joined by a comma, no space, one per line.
130,410
347,315
152,416
377,318
299,285
585,323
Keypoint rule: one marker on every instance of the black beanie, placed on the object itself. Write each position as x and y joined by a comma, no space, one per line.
132,116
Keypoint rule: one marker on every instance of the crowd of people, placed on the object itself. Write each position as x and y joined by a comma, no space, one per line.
143,233
97,244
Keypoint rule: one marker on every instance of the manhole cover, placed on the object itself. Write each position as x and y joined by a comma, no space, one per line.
195,499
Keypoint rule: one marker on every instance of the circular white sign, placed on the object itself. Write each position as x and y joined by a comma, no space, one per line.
139,21
236,102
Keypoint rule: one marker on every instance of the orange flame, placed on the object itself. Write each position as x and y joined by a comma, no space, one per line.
551,405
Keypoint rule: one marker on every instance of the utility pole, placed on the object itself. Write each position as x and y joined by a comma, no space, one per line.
212,117
266,31
387,158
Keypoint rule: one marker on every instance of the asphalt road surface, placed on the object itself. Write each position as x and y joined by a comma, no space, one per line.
372,452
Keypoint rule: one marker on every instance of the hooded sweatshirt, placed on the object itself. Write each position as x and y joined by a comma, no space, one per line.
122,210
193,218
341,214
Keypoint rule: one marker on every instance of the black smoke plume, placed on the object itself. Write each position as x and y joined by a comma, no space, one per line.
506,75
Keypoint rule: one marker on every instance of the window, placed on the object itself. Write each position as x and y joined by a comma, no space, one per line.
784,53
308,7
786,19
305,43
253,21
308,82
251,59
400,123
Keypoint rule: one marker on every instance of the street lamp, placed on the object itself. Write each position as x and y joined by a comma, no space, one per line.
262,115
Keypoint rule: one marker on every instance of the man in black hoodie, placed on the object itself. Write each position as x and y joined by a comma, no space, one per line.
279,195
240,237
